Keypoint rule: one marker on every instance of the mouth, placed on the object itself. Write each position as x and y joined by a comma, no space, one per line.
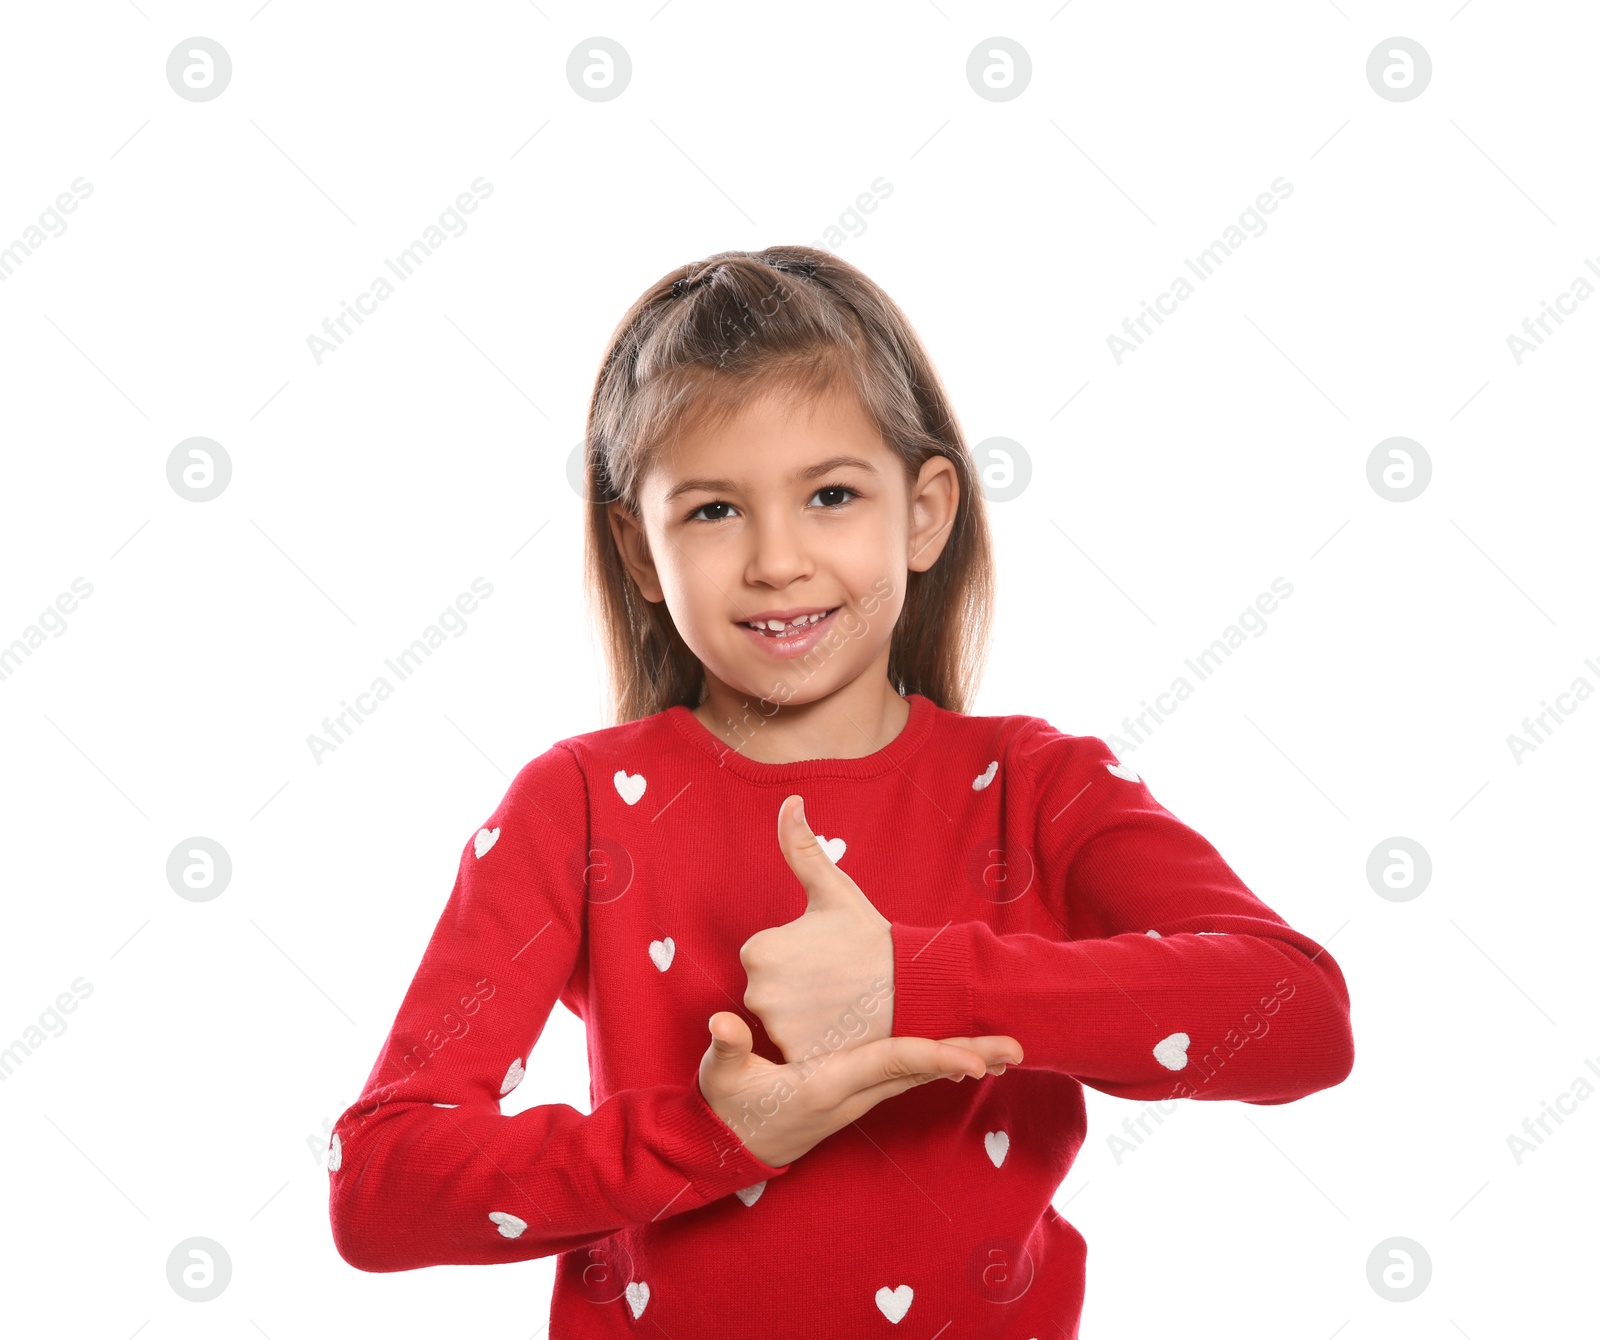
791,635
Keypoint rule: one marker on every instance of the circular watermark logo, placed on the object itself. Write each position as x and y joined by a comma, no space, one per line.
1001,871
199,469
577,470
198,1269
604,867
1004,468
1399,1269
1399,469
1399,869
1399,69
602,1270
199,69
598,69
1000,1270
999,69
199,869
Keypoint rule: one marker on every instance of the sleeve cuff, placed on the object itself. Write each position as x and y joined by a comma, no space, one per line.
932,982
707,1150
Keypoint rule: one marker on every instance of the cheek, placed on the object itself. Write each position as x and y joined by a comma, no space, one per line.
871,554
682,586
879,613
693,578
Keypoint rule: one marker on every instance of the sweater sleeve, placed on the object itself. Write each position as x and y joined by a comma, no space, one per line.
1160,974
424,1169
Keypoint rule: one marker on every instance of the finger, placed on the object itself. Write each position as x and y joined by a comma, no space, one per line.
995,1048
825,884
998,1051
731,1040
893,1061
870,1097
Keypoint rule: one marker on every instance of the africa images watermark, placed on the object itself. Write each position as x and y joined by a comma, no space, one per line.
50,225
1538,728
338,728
1203,265
335,329
50,1025
836,1038
51,619
1536,1129
1252,1025
414,1058
1204,664
1535,328
850,222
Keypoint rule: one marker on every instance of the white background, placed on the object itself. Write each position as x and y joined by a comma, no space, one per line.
188,1095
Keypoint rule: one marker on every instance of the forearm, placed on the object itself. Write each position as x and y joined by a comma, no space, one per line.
421,1185
1262,1018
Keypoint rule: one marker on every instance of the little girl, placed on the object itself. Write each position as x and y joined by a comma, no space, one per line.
796,883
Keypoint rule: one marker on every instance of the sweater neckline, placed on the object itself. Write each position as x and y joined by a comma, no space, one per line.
893,755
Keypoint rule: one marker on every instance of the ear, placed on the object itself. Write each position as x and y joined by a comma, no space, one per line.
935,496
628,532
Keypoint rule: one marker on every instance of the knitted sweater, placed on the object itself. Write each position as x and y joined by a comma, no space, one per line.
1034,888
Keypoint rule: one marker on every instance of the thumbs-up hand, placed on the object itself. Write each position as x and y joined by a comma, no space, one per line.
823,982
830,972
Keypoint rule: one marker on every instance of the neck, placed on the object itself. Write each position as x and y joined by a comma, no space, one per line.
856,719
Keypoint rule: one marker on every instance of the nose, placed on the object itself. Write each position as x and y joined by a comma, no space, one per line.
778,553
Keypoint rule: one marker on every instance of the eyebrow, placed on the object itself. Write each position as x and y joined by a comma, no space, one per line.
816,471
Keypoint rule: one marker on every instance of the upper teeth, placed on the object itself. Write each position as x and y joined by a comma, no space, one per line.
777,625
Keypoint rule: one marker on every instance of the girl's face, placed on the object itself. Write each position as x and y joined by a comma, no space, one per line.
785,511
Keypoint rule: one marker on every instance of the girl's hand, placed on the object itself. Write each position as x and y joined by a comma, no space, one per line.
781,1111
831,970
994,1068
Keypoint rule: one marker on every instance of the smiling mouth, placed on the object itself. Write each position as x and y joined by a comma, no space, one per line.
794,628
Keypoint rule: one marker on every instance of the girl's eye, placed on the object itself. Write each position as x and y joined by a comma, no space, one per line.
835,488
835,503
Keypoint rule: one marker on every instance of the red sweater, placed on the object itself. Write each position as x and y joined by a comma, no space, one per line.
1035,888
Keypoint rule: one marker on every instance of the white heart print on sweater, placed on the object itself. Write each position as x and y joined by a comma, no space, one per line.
513,1077
661,952
833,846
1123,770
483,840
638,1293
995,1144
986,776
893,1303
751,1194
629,788
335,1153
509,1225
1173,1051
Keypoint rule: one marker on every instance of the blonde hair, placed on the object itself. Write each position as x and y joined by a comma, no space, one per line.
698,345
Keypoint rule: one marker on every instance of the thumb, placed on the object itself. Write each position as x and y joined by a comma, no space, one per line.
825,884
730,1039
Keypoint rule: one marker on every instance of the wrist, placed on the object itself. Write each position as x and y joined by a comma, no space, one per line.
932,982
